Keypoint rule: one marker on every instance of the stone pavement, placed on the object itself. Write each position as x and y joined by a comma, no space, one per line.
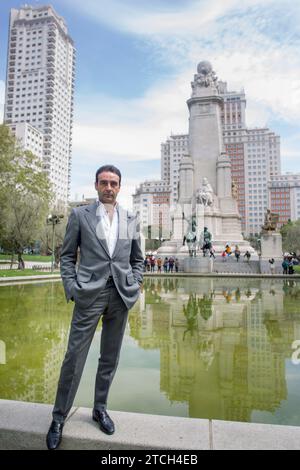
25,425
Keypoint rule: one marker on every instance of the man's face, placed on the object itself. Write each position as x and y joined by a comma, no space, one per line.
108,187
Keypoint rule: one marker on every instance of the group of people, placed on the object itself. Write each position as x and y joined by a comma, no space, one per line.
170,265
236,252
289,261
152,264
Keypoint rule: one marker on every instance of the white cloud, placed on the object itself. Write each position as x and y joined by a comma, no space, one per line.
134,129
186,19
131,129
268,84
251,44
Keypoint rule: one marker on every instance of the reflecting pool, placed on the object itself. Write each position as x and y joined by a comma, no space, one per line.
204,348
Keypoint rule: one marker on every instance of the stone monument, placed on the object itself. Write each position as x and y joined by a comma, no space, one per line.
271,244
206,191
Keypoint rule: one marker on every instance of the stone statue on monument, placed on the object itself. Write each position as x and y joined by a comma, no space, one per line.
205,241
271,221
206,77
205,195
191,237
234,190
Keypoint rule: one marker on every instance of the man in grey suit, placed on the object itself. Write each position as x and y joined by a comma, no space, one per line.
106,283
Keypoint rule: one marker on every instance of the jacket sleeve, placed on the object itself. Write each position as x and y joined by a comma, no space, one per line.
68,256
136,256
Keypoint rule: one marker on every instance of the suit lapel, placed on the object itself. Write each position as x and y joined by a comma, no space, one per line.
94,221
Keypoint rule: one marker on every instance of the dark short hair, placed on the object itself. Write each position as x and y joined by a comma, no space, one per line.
110,168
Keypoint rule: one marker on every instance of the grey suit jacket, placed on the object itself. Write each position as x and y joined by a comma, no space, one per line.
84,231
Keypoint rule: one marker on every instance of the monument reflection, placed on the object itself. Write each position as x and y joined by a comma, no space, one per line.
215,348
223,343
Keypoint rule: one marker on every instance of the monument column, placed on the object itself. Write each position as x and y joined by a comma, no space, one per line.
205,130
186,180
224,181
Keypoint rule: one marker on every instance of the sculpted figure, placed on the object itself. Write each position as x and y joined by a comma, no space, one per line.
205,194
271,220
191,238
234,190
205,241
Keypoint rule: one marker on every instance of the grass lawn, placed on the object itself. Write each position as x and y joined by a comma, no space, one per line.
27,258
25,272
297,269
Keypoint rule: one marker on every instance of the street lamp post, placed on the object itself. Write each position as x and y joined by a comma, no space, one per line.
53,220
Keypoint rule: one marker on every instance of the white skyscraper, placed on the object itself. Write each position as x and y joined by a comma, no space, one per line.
172,152
254,155
29,138
40,86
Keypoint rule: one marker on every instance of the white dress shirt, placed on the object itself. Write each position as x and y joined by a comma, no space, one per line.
111,230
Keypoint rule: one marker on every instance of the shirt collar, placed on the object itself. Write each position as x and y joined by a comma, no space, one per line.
102,207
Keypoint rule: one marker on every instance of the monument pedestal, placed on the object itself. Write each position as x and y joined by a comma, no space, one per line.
202,264
271,247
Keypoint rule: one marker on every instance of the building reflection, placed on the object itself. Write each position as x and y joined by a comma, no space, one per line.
34,326
222,348
223,344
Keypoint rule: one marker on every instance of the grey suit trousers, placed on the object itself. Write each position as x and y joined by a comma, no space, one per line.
114,314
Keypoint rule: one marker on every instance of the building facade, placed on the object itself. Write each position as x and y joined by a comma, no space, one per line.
172,152
29,138
285,196
85,201
151,202
40,87
254,155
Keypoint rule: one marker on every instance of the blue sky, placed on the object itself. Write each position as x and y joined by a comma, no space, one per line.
135,62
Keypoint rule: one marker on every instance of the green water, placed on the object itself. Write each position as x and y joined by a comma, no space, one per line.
204,348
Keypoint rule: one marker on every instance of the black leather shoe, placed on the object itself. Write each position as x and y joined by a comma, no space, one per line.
105,423
54,435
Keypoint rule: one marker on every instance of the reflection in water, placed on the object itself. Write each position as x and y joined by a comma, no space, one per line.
195,306
224,345
34,326
226,342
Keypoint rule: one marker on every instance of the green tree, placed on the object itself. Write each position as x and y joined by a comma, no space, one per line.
7,156
25,196
291,236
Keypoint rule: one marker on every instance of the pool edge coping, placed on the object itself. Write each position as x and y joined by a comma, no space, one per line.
24,425
50,277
